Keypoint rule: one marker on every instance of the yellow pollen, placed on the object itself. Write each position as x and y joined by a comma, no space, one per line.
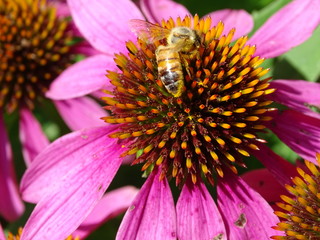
225,125
188,163
161,144
220,141
229,156
173,135
150,131
204,168
148,148
207,138
159,160
137,134
243,152
197,150
172,154
212,124
240,125
214,155
235,140
174,171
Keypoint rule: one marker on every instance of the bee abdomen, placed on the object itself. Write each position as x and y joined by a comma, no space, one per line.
170,70
169,77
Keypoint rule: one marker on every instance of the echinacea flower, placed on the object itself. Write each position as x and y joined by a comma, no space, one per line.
197,137
35,47
301,210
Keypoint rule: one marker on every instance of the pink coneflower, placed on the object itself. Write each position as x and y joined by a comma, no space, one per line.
300,212
195,138
35,48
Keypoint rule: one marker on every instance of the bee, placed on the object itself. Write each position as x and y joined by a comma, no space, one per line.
182,43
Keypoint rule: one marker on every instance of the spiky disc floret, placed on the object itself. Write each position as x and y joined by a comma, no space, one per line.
301,218
215,120
33,51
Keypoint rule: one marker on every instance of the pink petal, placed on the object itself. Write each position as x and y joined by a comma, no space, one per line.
112,204
262,181
247,215
2,237
11,206
152,214
82,78
297,94
156,10
81,166
69,154
81,113
198,215
287,28
300,132
281,169
104,23
62,8
238,19
32,138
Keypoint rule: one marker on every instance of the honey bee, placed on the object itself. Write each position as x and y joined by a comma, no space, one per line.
182,43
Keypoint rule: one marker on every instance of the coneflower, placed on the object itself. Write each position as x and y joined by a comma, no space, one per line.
300,215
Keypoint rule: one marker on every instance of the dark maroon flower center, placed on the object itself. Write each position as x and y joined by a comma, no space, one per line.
206,128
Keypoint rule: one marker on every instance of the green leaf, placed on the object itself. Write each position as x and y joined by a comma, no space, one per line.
206,6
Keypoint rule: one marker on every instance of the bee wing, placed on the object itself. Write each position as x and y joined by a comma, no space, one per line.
148,31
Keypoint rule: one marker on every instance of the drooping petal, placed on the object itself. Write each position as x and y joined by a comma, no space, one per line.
81,113
238,19
299,95
262,181
81,166
197,214
112,204
69,155
246,214
287,28
300,132
281,169
82,78
11,206
104,23
33,139
156,10
152,214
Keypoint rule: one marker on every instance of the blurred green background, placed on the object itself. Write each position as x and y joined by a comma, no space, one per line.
302,62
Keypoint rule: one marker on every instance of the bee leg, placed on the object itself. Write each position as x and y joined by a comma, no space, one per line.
186,65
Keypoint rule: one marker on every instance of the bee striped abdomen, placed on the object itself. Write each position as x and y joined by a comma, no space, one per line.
170,70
